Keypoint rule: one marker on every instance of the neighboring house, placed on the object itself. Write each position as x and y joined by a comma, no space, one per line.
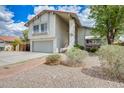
51,30
5,42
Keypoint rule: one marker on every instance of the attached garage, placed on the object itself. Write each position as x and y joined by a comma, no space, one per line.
42,46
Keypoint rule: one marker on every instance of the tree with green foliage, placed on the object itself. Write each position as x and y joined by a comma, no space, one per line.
109,21
16,42
25,36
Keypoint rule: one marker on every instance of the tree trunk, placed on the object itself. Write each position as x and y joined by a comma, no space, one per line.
109,40
111,36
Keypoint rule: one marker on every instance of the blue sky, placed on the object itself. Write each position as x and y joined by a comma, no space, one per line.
20,12
13,17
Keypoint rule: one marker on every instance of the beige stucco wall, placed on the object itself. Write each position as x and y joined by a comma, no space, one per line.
82,32
48,18
45,18
62,31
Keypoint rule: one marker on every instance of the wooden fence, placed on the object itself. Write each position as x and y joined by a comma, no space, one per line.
24,47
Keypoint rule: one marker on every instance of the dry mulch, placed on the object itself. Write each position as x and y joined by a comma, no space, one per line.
35,74
13,69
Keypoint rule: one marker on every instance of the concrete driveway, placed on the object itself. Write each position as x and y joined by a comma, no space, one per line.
7,58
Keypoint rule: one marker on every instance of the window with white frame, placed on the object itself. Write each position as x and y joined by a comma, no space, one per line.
44,27
36,28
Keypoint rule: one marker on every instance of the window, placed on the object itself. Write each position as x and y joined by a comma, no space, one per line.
44,27
36,28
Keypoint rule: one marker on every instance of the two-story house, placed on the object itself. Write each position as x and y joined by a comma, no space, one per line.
51,30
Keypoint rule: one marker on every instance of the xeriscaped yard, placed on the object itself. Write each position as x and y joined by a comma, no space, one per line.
42,75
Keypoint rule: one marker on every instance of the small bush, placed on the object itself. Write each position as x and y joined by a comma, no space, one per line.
1,48
112,60
92,50
79,46
53,59
76,56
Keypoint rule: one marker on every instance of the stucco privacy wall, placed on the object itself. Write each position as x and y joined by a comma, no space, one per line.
82,32
62,31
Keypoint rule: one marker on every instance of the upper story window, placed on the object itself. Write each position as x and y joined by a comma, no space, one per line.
44,27
36,28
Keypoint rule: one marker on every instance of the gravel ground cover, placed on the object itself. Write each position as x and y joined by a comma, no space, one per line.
45,76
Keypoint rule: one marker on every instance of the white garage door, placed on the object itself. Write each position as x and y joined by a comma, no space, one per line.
42,46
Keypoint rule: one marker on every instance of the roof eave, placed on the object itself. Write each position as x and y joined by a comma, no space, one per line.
77,19
45,11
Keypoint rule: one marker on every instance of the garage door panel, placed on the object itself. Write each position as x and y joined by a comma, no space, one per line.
42,46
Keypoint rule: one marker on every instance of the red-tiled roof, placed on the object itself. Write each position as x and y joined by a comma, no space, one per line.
7,38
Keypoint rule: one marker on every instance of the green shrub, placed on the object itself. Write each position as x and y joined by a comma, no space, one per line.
1,48
79,46
53,59
76,56
92,50
112,60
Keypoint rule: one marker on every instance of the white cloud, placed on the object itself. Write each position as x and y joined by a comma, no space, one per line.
83,15
30,16
5,15
38,9
73,8
7,25
17,26
84,18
